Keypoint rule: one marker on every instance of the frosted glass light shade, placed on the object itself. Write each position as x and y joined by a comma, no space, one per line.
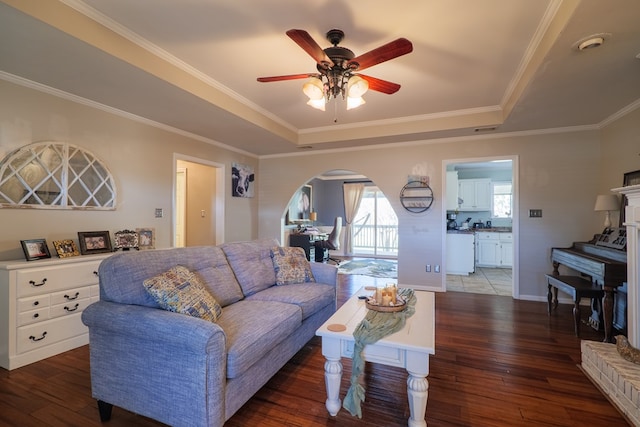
356,87
607,202
354,102
313,89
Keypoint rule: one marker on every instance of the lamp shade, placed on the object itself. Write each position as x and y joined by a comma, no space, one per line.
313,216
607,202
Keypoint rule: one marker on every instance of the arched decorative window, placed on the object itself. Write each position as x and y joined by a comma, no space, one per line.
55,175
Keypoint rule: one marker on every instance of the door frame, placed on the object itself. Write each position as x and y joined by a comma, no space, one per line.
220,171
515,224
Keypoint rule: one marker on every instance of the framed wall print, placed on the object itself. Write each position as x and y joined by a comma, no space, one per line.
66,248
146,238
301,205
94,242
35,249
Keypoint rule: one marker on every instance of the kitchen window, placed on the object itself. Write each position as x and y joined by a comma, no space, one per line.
501,199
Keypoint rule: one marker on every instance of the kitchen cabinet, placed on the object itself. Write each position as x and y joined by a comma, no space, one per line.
494,249
475,194
460,253
42,302
452,191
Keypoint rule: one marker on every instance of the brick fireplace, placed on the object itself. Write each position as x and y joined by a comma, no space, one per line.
616,377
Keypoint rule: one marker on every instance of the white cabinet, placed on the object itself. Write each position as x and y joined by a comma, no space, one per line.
475,194
40,306
452,191
460,251
494,249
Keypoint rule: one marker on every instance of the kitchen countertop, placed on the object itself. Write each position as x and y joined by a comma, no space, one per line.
480,230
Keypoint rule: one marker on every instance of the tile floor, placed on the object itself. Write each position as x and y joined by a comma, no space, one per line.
492,281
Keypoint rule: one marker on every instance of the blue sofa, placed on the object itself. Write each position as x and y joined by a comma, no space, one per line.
185,371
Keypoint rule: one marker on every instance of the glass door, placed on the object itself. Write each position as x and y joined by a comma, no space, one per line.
375,228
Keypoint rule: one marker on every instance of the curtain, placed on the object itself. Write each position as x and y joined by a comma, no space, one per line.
352,193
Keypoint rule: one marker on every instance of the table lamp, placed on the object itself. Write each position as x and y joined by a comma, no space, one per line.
313,216
608,203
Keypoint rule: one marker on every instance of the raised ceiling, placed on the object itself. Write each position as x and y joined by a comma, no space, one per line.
192,65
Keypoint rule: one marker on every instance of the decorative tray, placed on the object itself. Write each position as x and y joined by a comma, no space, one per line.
373,305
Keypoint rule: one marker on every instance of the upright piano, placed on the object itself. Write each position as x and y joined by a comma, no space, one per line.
606,266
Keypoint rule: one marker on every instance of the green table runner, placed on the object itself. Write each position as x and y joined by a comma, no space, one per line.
375,326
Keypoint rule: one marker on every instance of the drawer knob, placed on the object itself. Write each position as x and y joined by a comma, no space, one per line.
34,339
71,309
32,283
68,298
95,273
36,315
36,303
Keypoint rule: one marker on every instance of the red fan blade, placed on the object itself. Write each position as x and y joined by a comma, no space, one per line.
380,85
384,53
289,77
306,42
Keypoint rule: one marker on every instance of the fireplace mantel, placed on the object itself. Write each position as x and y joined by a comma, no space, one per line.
632,222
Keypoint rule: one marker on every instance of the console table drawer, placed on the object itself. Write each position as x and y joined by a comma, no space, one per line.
35,281
29,317
49,332
70,295
32,303
69,308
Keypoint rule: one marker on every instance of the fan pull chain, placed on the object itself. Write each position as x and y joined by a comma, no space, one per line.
335,111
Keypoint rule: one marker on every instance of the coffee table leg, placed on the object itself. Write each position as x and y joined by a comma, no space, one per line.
332,377
417,391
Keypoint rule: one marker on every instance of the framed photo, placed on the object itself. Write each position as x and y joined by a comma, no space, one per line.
126,239
146,238
94,242
65,248
35,249
301,205
630,178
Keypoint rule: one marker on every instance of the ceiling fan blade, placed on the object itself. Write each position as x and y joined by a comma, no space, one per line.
383,53
306,42
380,85
289,77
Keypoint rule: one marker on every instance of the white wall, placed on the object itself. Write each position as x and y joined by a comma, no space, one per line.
139,156
558,173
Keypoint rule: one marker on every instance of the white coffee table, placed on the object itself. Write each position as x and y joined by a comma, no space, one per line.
408,348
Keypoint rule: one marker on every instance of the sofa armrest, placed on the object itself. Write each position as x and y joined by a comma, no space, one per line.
152,362
324,273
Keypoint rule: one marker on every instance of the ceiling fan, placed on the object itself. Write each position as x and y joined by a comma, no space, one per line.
337,67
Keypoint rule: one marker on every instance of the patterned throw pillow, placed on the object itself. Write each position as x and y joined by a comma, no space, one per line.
181,291
291,265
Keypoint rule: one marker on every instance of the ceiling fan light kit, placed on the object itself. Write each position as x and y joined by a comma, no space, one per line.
337,68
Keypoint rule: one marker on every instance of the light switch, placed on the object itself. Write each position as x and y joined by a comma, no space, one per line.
535,213
159,213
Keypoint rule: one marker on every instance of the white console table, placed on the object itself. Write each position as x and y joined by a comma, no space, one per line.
40,306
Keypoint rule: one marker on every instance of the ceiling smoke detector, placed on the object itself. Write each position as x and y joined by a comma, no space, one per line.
590,42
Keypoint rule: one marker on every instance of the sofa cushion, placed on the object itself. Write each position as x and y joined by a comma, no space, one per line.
310,297
253,328
251,263
216,273
121,275
181,291
291,265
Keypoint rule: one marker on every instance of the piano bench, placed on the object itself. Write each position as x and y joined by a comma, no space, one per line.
576,286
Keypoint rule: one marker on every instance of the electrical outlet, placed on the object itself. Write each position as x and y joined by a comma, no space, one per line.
437,268
535,213
428,268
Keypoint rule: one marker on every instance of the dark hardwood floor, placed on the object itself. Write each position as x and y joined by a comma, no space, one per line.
498,362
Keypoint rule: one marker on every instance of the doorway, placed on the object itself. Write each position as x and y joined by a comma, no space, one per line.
494,251
198,214
375,227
